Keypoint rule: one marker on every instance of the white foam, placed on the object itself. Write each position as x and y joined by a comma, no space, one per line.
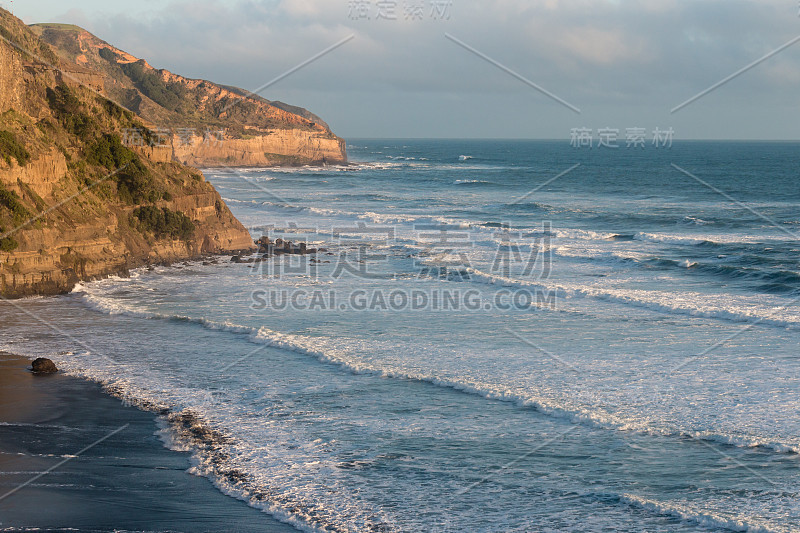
471,182
695,221
559,233
330,351
746,309
676,238
701,517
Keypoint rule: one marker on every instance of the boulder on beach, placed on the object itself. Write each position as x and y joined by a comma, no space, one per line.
42,365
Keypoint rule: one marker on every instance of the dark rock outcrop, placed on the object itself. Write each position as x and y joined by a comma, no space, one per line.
42,365
268,248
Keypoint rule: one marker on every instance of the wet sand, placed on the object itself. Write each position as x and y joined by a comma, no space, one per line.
127,482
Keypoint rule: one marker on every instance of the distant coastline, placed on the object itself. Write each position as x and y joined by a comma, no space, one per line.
194,122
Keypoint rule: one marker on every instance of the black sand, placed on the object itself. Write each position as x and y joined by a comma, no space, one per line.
128,482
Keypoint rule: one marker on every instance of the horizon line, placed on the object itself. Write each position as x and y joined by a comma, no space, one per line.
554,139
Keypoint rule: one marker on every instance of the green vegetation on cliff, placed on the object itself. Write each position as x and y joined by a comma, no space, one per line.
136,185
109,152
135,182
171,95
13,207
9,147
12,213
163,222
8,244
67,108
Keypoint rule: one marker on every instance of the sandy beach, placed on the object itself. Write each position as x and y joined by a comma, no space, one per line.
128,482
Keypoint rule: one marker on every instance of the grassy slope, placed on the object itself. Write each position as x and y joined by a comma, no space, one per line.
175,102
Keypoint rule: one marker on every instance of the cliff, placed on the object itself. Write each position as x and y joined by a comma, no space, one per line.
203,123
75,202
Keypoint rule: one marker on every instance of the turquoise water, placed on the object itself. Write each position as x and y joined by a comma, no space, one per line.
478,348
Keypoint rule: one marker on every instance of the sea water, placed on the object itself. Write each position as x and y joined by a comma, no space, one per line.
492,336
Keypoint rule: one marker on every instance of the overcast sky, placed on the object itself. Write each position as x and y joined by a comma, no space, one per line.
623,64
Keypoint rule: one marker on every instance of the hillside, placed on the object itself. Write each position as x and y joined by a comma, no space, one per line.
75,203
256,132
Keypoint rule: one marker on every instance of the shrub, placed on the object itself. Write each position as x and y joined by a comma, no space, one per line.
47,53
10,147
169,95
164,222
135,184
112,108
68,110
108,55
11,201
108,151
8,244
62,100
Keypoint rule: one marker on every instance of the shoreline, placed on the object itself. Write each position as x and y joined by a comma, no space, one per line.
101,464
312,164
124,271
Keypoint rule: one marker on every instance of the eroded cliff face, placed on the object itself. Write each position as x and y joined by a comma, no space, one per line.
279,148
255,131
51,258
75,203
10,74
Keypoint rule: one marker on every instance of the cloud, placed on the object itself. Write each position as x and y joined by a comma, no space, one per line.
605,56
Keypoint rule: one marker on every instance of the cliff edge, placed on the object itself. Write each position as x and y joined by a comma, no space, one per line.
202,123
76,203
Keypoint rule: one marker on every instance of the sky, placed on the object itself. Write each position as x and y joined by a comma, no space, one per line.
532,69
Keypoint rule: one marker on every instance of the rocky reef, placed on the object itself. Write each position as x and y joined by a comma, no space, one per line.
267,248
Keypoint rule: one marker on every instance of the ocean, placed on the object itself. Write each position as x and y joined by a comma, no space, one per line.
492,336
